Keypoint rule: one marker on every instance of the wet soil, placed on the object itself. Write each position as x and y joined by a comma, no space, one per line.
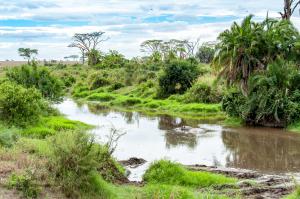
251,184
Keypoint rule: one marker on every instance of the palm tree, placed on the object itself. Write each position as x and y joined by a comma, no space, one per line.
251,46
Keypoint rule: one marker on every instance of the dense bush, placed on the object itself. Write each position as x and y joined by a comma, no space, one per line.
74,165
20,106
177,77
113,59
273,98
97,80
205,53
203,93
26,184
39,78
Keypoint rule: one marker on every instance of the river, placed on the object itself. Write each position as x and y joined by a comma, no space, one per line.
267,150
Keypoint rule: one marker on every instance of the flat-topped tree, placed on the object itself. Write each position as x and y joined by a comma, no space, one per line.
87,43
27,53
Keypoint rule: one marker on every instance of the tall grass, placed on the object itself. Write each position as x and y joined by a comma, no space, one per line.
167,172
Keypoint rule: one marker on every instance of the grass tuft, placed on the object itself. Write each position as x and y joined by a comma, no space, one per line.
167,172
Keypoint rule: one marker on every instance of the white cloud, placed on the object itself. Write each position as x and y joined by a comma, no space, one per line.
125,21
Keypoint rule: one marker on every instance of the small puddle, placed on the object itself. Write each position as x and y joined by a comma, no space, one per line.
267,150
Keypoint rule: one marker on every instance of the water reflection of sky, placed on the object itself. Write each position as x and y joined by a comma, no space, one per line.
153,138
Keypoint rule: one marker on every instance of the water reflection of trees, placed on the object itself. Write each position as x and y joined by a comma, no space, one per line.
262,151
176,139
167,122
98,109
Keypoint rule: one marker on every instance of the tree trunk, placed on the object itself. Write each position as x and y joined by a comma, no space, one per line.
289,8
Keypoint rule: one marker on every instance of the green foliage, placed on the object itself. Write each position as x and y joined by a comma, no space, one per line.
20,106
112,60
26,184
294,195
39,78
39,147
203,93
205,53
167,192
271,99
251,46
27,53
232,101
166,172
48,126
8,137
93,57
74,165
97,80
177,77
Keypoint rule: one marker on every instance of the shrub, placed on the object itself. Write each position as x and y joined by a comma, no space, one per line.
203,93
177,77
206,53
115,86
97,80
271,99
20,106
8,137
39,78
232,102
26,184
74,165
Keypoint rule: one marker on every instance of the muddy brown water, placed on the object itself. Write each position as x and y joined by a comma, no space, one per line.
266,150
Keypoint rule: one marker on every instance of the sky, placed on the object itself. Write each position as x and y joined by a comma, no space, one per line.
48,25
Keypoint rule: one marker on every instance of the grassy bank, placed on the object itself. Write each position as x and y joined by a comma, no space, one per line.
156,106
35,155
295,127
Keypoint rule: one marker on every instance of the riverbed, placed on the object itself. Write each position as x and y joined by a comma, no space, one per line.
189,142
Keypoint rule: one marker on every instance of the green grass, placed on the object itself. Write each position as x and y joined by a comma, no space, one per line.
295,127
233,122
167,106
36,146
8,135
48,126
169,173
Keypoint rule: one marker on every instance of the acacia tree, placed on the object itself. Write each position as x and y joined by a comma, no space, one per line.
289,8
27,53
88,43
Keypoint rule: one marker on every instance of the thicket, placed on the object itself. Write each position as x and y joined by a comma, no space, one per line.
260,61
177,77
20,106
37,77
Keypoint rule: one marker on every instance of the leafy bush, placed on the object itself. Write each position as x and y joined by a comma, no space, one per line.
39,78
26,184
232,102
177,77
97,80
206,53
20,106
74,165
203,93
271,101
116,86
8,137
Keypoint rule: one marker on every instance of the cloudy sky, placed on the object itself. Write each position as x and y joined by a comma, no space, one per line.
48,25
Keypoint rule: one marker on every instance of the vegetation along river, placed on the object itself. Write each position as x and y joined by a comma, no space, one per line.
267,150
